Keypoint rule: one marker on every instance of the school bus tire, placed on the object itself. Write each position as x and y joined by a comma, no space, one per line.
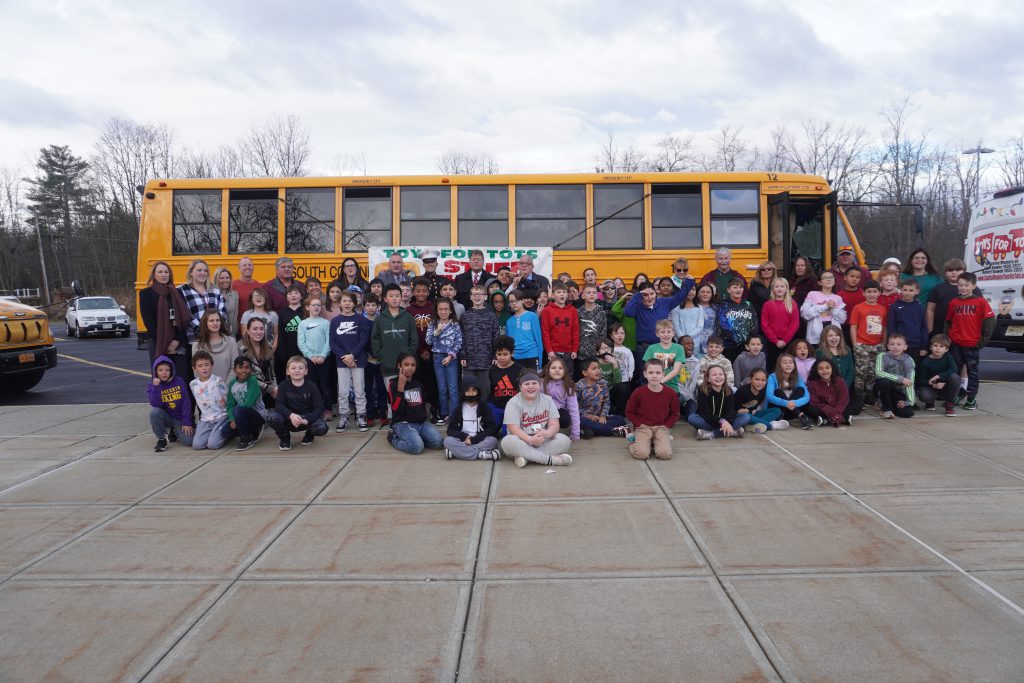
23,381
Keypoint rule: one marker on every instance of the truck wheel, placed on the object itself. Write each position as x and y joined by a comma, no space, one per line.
23,381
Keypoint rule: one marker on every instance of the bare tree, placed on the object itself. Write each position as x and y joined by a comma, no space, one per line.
674,153
902,157
730,151
130,153
1011,166
458,162
277,147
16,252
826,148
616,158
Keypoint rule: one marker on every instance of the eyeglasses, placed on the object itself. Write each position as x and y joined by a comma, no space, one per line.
770,270
682,270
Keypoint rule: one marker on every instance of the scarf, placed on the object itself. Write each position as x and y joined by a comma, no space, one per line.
166,331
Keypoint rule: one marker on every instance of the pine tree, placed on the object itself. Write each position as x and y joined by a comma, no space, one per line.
58,197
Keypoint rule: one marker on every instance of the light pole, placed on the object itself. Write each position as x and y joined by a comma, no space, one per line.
977,152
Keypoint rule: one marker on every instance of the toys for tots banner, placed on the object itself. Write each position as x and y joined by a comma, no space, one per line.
455,260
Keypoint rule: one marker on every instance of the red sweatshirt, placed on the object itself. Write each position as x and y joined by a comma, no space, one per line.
421,316
777,324
560,328
851,299
646,407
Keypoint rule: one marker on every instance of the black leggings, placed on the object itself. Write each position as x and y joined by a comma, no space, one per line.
794,395
890,393
814,411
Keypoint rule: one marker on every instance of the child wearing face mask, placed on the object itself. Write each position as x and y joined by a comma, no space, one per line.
472,432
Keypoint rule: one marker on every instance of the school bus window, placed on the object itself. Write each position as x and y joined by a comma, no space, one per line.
483,216
626,229
676,217
196,219
309,220
549,214
426,215
252,222
366,216
735,215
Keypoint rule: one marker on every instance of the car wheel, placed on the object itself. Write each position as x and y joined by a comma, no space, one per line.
70,331
126,333
78,332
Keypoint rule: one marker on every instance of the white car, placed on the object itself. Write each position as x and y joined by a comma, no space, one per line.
96,314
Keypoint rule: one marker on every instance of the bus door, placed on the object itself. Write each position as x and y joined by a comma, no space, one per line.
797,228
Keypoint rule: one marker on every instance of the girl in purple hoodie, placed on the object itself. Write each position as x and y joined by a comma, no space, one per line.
171,413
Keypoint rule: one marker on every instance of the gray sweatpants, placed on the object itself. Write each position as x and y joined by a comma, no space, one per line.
514,447
461,451
160,422
209,434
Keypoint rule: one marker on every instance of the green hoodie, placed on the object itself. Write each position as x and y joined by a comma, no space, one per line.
392,334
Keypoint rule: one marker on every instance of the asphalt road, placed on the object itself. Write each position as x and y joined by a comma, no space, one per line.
113,370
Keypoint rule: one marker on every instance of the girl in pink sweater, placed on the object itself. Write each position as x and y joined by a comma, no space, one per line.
779,320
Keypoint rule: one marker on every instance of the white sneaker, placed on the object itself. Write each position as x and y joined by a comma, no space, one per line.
342,425
448,455
520,461
886,415
758,428
561,459
491,454
737,433
705,435
779,425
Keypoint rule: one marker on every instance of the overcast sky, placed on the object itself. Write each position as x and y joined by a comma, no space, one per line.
535,84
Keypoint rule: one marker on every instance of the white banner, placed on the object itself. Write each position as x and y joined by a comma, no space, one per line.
455,260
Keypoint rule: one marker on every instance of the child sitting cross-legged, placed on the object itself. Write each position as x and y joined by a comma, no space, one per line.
594,400
716,414
653,409
830,397
411,430
788,392
531,419
752,399
472,431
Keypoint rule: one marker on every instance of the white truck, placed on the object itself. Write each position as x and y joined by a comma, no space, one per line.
994,251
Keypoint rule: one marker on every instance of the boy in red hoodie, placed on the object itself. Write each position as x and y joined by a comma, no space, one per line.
653,409
970,323
560,326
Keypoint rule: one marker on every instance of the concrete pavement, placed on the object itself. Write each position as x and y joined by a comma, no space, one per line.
890,551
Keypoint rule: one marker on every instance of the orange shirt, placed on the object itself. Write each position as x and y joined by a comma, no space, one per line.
870,322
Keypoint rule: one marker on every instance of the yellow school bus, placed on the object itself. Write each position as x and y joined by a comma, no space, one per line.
617,223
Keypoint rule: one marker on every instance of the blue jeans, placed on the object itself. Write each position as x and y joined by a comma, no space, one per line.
766,416
412,437
612,421
447,382
698,422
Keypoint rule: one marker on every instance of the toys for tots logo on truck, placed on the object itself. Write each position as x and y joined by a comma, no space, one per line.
999,253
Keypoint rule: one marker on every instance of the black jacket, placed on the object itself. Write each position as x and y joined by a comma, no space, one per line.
487,426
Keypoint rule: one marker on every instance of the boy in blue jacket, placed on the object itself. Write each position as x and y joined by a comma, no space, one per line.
907,316
171,406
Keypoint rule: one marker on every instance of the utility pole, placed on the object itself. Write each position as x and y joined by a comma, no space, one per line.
977,152
42,262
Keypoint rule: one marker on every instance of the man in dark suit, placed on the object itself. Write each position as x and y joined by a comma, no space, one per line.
396,274
476,275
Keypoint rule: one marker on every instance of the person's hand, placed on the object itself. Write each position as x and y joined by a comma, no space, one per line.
351,362
188,430
463,363
901,404
156,381
425,355
273,391
551,355
727,429
742,410
791,405
468,441
830,303
906,382
602,420
447,360
232,425
939,385
296,419
573,355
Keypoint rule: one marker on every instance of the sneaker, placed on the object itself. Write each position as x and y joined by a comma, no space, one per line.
805,422
737,433
448,455
779,425
848,421
161,446
586,433
950,410
342,424
821,421
307,438
520,461
758,428
490,454
621,431
929,406
383,422
440,420
705,435
285,445
971,403
244,444
960,396
363,424
886,415
561,459
172,435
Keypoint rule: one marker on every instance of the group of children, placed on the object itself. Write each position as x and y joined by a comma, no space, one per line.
502,379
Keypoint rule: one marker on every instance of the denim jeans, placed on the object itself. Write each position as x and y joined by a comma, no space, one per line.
447,382
412,437
698,422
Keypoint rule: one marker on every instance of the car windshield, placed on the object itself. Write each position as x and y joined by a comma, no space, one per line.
98,304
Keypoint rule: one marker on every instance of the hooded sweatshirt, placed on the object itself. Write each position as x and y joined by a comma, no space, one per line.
392,334
459,422
171,396
350,334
